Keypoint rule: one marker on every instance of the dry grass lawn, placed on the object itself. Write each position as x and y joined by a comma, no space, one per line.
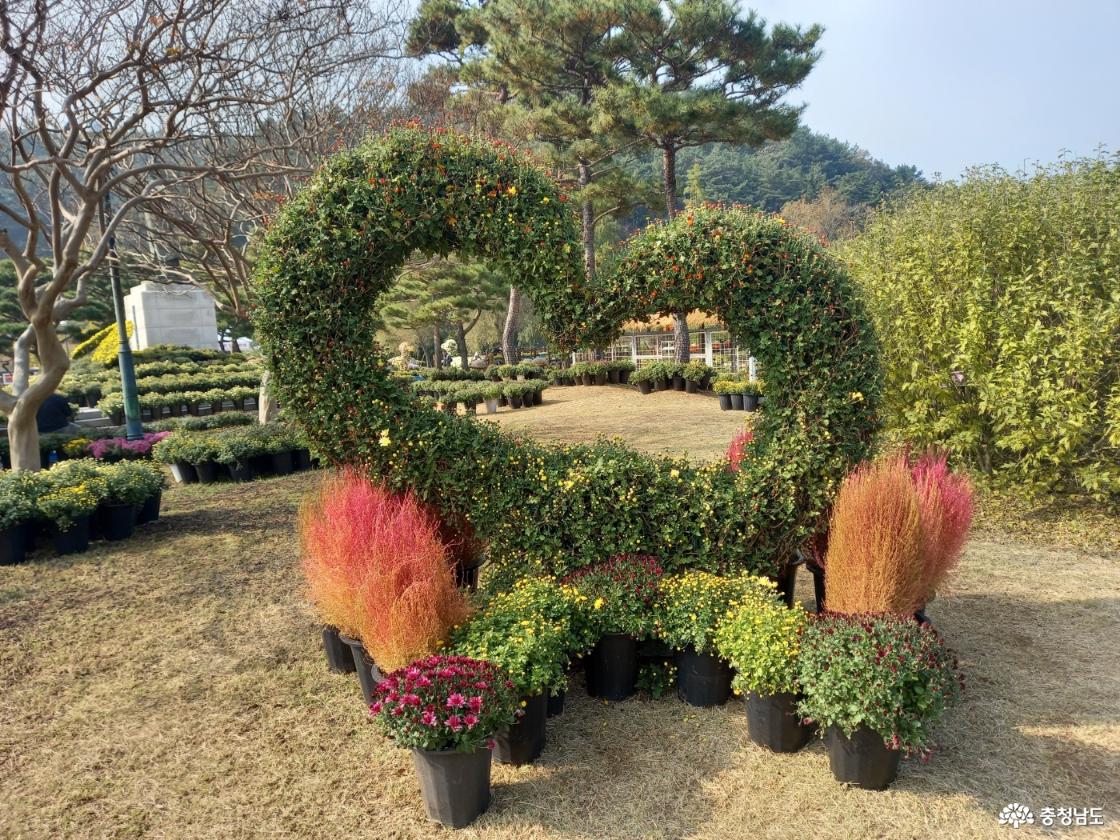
173,687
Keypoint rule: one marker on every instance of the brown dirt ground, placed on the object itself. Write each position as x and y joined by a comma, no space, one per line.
173,687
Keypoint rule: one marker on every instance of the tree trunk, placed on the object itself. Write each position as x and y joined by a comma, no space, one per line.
267,407
509,332
23,438
587,223
461,341
21,411
680,319
21,360
437,351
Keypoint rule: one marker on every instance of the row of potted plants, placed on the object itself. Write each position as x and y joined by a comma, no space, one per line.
872,682
491,394
616,372
240,454
738,394
663,376
74,501
156,406
85,385
519,373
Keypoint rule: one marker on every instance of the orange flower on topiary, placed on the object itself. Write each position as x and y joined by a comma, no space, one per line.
376,569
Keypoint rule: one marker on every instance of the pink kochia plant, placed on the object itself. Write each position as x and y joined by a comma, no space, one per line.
737,451
945,508
120,449
445,703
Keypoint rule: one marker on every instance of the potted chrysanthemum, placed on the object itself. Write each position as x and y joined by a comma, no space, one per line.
528,631
19,496
447,709
687,616
877,683
617,597
761,639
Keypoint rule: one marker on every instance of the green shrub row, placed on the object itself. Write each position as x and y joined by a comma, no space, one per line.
112,403
450,374
173,383
471,394
198,424
228,446
695,371
527,370
750,387
71,489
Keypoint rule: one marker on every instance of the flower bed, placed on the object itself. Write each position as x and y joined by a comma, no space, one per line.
241,453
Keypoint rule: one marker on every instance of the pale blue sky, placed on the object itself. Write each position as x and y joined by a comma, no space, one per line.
946,84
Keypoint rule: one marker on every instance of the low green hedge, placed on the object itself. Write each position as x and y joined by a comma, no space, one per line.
227,446
176,383
154,402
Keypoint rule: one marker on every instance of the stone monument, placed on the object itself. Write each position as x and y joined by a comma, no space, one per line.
171,313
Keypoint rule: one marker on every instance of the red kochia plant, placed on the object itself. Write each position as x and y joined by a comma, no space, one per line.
945,501
445,703
376,568
897,529
737,451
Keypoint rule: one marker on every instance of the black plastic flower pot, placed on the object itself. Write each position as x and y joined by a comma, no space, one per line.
466,572
703,679
556,704
538,398
623,377
587,379
863,759
149,511
302,459
773,722
663,384
369,675
74,540
600,379
787,581
283,463
612,667
340,659
13,544
724,402
750,402
241,471
690,386
184,473
644,387
514,401
612,377
678,382
522,742
736,402
207,472
117,521
455,786
261,464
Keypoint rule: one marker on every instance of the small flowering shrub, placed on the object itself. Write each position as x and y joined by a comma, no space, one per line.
691,605
376,569
122,449
529,631
65,505
131,482
881,671
445,703
618,593
897,529
19,496
761,639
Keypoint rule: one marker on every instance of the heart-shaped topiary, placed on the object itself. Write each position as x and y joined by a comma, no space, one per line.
335,248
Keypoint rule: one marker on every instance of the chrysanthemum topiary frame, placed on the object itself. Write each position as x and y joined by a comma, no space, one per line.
337,246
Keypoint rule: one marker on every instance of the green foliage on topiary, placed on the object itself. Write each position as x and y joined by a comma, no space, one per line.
335,248
996,299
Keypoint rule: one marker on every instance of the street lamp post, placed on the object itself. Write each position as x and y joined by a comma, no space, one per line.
134,429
